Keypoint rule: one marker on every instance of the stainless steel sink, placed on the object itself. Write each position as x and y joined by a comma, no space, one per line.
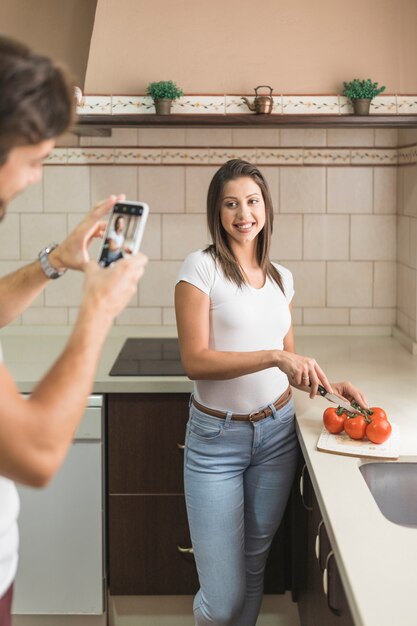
394,488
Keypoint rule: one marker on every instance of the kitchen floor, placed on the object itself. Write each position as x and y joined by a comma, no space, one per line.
277,610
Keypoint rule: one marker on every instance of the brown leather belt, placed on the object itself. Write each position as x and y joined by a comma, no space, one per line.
255,416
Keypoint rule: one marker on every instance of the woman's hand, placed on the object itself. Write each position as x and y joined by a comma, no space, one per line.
349,392
303,372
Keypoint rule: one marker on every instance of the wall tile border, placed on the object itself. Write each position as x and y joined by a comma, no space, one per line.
182,155
392,104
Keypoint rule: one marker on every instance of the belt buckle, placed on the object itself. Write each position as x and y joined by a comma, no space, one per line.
252,416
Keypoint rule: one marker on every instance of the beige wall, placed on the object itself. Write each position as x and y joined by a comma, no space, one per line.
59,28
231,46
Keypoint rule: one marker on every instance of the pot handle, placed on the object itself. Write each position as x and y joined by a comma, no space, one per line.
263,87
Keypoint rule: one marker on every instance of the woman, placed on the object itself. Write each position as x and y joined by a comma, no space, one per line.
115,243
233,310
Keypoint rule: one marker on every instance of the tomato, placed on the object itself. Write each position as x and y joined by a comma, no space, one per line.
334,420
378,430
377,413
355,427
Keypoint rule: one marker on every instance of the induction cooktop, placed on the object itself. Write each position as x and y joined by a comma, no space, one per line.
148,357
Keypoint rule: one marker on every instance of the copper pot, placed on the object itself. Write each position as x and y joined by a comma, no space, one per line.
263,103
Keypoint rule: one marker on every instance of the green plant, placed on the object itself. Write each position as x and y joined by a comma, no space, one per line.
164,89
356,89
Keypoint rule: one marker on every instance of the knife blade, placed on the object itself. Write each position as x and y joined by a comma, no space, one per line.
331,397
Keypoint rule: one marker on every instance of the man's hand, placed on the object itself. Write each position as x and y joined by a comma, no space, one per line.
72,253
109,290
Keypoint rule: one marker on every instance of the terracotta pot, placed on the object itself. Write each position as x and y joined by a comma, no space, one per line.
361,106
163,106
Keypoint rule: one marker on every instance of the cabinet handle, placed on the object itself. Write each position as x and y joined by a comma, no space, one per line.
185,550
180,446
326,586
307,508
317,545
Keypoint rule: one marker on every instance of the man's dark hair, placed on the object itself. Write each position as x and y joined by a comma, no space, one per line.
36,97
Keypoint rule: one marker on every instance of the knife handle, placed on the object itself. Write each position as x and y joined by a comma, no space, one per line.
322,390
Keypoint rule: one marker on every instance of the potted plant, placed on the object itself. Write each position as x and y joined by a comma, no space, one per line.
360,93
163,93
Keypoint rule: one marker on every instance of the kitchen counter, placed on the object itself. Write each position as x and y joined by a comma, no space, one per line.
377,559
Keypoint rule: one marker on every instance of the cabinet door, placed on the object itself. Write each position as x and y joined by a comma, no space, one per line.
315,607
331,608
144,434
301,508
144,535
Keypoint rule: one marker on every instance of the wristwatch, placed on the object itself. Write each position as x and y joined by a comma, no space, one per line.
47,268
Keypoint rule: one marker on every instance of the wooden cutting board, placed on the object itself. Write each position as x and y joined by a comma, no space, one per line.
343,444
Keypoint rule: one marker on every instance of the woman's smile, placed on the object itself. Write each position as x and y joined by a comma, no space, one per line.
245,226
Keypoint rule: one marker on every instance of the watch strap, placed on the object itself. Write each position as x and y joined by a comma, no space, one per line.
47,268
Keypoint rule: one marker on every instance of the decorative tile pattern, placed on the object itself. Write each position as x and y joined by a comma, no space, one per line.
407,156
95,105
213,156
123,105
217,156
184,156
87,156
199,104
137,156
326,156
406,105
377,156
310,104
279,156
384,105
57,157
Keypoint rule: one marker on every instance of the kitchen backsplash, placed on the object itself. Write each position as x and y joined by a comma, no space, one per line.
343,209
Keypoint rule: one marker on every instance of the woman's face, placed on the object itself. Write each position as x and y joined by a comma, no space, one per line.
242,211
120,224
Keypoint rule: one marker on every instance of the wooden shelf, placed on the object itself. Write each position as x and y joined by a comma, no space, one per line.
90,124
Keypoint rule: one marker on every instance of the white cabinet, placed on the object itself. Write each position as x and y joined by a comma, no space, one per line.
61,565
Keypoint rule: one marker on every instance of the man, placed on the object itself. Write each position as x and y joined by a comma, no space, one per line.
36,106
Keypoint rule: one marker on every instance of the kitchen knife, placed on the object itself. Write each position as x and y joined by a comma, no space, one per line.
331,397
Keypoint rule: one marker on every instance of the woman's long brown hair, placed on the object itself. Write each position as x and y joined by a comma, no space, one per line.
220,248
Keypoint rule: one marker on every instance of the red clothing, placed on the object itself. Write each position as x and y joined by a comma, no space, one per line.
6,607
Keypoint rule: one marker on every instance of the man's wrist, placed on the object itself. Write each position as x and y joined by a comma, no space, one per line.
47,264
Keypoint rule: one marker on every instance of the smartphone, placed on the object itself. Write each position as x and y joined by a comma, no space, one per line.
124,231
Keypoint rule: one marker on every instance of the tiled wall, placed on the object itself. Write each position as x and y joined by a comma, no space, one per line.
335,223
407,239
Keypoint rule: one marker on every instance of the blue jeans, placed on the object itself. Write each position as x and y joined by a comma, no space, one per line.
238,477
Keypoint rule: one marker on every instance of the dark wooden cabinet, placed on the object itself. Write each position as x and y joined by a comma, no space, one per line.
148,535
147,519
314,561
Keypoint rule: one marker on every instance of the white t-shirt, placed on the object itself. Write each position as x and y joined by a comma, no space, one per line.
118,238
9,537
242,319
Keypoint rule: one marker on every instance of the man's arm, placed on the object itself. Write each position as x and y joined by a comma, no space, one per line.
35,433
20,288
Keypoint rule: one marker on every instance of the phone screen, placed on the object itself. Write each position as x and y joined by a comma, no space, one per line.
124,232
